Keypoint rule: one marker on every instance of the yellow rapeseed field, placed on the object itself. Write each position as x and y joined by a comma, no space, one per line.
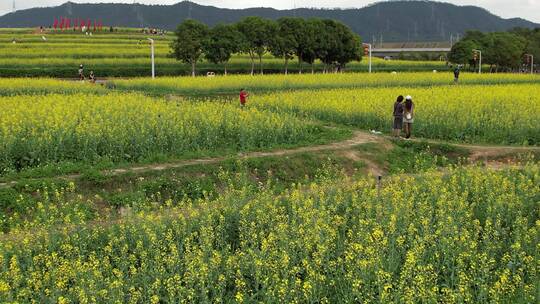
499,114
459,235
232,84
40,86
470,235
36,130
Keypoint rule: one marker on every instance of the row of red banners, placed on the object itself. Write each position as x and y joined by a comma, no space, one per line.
76,23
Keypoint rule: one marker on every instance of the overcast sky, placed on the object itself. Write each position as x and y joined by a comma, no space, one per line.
528,9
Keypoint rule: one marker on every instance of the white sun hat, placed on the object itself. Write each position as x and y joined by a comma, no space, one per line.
408,97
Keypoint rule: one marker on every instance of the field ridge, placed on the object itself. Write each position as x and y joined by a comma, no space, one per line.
478,153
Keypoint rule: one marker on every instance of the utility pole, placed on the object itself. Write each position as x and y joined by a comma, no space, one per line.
367,52
153,61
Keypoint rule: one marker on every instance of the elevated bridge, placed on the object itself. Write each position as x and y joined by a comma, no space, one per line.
412,50
395,48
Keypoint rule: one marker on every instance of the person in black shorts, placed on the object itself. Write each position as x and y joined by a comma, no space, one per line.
398,116
456,74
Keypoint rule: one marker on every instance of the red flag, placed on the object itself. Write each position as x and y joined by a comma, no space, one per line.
82,23
88,23
95,25
55,25
68,23
61,23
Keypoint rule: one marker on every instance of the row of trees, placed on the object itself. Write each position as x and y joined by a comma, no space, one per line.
329,41
501,50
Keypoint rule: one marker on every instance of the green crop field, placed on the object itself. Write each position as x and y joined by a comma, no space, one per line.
127,54
226,85
167,190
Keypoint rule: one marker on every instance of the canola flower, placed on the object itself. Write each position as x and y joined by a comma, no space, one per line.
36,130
40,86
498,114
469,235
271,83
57,205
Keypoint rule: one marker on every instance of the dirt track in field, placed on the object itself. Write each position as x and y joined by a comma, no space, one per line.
478,153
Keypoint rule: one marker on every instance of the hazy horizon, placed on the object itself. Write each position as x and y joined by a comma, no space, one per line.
527,9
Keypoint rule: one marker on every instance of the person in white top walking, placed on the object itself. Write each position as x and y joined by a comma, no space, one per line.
408,117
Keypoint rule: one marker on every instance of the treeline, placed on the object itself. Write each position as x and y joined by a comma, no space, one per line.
308,40
503,51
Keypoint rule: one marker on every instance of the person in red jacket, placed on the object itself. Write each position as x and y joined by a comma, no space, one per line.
243,97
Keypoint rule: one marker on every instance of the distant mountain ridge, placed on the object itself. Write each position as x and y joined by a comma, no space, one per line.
386,21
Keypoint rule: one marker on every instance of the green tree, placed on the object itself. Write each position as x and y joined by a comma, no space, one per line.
350,46
257,34
337,45
222,43
309,43
533,44
532,40
504,50
501,50
285,44
188,45
462,52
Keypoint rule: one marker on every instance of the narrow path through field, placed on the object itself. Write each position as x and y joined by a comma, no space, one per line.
480,152
360,137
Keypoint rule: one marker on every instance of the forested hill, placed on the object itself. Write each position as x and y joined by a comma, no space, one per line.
391,20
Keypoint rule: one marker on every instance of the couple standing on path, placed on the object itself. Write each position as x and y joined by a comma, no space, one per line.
92,77
403,116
